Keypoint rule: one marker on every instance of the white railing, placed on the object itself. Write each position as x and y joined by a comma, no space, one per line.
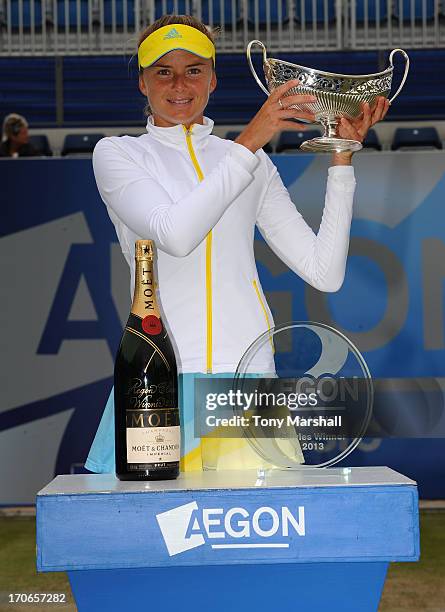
380,24
68,27
95,27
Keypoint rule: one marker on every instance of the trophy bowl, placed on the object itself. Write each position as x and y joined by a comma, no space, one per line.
338,95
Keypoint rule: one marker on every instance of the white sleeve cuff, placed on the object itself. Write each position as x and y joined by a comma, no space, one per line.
342,172
342,177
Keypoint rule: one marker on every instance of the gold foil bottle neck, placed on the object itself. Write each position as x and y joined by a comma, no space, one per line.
144,250
144,299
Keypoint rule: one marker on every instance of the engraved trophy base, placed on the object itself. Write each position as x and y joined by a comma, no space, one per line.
326,144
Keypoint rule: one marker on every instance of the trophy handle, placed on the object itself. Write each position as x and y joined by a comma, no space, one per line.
405,55
252,69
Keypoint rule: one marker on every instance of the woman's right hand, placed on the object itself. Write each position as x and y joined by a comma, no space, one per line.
272,117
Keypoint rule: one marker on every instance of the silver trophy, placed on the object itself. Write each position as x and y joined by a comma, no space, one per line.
338,95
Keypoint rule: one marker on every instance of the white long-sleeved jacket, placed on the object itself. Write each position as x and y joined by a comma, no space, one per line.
199,197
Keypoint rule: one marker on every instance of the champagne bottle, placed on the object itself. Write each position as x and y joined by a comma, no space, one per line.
147,429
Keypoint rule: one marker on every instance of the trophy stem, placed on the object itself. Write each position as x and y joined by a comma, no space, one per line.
330,142
330,126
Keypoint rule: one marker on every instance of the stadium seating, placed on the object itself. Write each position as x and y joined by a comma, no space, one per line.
168,6
76,144
426,137
26,13
101,13
319,15
234,134
404,8
372,141
262,12
376,12
289,142
73,18
119,16
41,143
102,90
219,16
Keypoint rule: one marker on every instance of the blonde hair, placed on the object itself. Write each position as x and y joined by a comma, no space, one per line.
189,20
11,123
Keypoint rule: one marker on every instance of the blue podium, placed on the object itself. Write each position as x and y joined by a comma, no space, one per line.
316,539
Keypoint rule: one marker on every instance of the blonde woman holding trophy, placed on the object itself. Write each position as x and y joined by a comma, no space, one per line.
199,198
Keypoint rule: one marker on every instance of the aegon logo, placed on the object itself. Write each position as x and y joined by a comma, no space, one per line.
187,527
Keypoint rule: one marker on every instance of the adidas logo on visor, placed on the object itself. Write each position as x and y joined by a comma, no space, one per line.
173,34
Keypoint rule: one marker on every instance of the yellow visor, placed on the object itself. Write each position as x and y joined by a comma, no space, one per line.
171,37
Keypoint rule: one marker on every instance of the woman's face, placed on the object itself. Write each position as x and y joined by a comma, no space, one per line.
22,137
178,86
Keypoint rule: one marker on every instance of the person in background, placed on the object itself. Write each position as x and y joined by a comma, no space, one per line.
15,138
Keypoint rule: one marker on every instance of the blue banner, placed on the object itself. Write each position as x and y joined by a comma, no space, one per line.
66,296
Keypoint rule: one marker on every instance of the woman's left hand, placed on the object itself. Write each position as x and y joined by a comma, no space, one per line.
357,128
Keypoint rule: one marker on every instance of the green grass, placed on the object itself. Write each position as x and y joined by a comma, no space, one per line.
18,567
420,586
409,587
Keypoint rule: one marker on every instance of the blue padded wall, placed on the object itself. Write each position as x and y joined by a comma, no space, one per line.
103,90
28,88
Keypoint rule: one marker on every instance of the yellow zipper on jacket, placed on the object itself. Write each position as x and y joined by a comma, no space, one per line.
209,322
266,316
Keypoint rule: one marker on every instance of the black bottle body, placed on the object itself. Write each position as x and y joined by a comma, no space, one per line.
147,434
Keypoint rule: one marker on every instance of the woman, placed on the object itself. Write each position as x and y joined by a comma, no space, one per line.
199,198
15,138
